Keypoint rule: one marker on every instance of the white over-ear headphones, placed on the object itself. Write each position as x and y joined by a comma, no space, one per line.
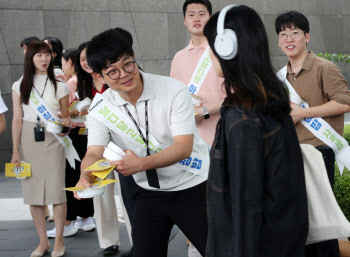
226,40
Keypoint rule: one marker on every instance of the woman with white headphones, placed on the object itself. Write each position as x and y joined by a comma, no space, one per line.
256,188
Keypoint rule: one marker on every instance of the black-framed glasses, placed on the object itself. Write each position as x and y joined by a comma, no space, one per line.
115,73
294,35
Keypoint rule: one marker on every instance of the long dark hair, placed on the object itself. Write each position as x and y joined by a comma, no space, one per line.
84,79
250,79
57,48
27,84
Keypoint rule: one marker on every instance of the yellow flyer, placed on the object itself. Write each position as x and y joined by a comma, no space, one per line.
82,131
11,170
98,184
104,173
73,105
55,122
100,165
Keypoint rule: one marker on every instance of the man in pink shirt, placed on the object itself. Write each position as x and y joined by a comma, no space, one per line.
192,66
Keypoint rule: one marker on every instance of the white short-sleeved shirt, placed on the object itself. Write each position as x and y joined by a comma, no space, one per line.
3,107
170,113
50,98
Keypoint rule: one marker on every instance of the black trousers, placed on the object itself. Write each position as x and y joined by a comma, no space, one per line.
155,213
127,197
328,248
85,207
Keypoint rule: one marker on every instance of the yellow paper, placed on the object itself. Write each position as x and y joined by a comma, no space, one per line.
104,173
73,105
55,122
11,170
99,166
94,185
83,131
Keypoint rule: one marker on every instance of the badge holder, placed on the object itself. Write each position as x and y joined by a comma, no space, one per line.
39,132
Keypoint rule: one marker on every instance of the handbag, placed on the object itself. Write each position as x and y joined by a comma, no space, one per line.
326,219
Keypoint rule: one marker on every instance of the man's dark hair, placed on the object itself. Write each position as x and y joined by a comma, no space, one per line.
107,47
126,33
206,3
27,40
292,19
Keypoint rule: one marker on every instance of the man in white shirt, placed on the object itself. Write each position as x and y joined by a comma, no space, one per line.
166,163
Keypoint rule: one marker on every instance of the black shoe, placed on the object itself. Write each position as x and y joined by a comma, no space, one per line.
113,249
128,254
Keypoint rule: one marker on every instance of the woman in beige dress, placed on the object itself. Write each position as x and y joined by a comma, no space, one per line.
46,155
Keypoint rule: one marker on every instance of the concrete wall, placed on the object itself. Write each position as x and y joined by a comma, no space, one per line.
157,28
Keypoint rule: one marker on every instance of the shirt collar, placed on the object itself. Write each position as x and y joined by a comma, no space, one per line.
191,45
147,93
307,64
309,61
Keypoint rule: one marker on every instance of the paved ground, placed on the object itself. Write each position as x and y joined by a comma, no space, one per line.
18,237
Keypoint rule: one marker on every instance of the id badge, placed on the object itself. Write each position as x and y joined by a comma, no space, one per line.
83,131
152,178
39,133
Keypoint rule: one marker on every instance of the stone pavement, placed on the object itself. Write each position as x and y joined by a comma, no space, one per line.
18,237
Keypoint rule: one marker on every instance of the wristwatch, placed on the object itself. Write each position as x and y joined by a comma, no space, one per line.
206,113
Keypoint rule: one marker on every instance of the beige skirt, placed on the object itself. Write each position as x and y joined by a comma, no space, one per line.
48,161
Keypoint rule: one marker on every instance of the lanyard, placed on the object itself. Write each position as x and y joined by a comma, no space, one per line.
38,119
151,175
137,125
95,89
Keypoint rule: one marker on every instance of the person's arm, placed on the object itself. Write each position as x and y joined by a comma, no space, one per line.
214,109
2,123
65,117
3,109
334,87
16,127
173,67
98,138
180,150
93,154
329,109
245,169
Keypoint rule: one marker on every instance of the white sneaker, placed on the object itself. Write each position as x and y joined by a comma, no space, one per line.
68,231
87,225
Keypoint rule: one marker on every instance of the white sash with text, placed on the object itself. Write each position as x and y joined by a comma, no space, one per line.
200,73
320,128
46,115
119,123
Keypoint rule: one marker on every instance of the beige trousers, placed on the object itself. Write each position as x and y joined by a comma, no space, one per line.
106,215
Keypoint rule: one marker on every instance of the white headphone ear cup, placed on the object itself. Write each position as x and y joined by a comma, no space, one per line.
226,44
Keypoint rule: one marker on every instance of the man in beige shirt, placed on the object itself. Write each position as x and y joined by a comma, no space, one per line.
320,84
